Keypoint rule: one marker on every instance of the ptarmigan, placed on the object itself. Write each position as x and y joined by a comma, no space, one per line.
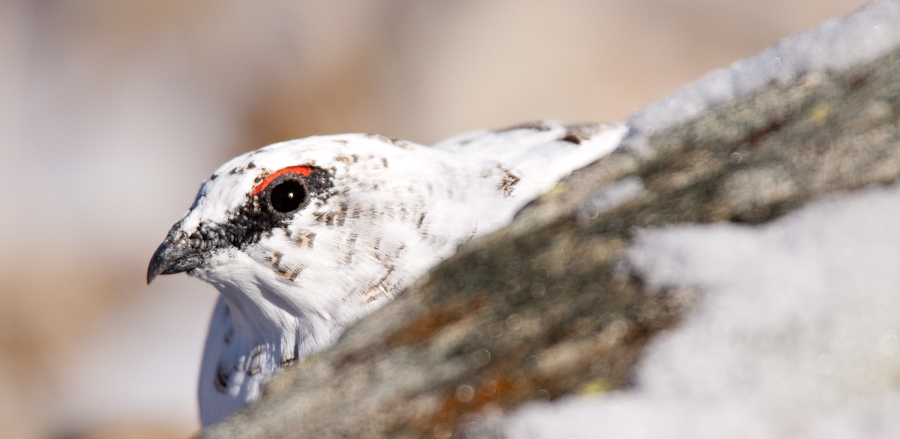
303,238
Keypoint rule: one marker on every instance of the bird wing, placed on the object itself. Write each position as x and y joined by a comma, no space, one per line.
539,153
525,161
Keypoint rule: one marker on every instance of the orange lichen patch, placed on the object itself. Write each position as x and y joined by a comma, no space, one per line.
493,392
434,320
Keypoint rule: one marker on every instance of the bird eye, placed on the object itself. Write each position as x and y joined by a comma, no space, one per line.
287,195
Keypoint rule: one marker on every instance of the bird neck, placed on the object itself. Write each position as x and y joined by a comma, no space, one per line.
263,315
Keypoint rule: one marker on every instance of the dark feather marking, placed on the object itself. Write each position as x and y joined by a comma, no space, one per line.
255,367
571,139
220,381
396,142
305,238
471,235
275,259
331,218
289,360
288,272
340,215
577,133
351,244
380,286
508,182
535,125
347,159
292,357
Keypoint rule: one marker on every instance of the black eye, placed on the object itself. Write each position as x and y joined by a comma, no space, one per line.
287,195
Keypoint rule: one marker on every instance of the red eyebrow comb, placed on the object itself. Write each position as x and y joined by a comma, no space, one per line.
302,170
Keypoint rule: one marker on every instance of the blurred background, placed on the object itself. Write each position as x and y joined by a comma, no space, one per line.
113,113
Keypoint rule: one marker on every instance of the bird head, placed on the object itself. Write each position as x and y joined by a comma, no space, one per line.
308,228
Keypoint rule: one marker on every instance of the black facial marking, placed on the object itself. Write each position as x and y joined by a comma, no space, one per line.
257,217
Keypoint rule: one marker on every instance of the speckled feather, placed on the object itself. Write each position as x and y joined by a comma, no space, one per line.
380,213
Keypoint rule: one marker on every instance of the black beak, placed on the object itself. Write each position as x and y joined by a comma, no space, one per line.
174,255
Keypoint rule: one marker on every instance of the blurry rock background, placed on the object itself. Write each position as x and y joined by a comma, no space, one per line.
113,113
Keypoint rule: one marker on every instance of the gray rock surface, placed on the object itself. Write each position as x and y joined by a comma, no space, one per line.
547,307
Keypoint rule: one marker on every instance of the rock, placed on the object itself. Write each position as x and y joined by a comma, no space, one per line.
548,307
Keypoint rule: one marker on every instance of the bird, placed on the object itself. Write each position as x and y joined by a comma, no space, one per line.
304,238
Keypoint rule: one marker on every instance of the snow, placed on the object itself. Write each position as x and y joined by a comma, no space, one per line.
832,45
797,334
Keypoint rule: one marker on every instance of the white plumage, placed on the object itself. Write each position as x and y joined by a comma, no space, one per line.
303,238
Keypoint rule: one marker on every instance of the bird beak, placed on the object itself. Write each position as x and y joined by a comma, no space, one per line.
174,255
